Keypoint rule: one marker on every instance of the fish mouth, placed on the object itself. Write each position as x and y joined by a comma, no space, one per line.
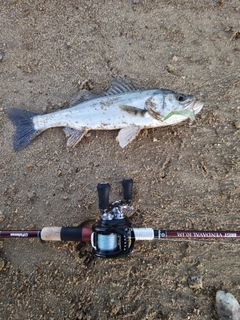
196,106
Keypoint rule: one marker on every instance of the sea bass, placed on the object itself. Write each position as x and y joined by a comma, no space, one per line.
124,106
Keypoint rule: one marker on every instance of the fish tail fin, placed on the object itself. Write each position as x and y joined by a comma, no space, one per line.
25,130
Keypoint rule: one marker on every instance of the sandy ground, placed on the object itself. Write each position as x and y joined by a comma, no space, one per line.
185,176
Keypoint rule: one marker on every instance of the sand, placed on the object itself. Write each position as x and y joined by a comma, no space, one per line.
185,177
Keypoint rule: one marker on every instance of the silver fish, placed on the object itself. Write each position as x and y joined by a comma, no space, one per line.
124,106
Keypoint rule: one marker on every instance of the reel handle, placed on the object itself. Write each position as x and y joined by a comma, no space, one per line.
103,189
127,189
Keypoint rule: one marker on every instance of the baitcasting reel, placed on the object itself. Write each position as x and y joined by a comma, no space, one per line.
113,235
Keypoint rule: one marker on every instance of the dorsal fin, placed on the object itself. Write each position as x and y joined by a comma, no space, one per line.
83,96
119,86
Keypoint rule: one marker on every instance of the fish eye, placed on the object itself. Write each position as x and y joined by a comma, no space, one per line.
181,97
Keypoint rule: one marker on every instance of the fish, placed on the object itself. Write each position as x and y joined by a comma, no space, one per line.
123,106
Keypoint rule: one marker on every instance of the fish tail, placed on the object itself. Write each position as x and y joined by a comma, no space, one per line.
25,130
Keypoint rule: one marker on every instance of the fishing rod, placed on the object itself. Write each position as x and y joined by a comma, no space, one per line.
113,235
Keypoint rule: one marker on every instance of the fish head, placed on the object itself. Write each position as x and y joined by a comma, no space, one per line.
173,107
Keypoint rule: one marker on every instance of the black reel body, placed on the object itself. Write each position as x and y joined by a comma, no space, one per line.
112,238
113,235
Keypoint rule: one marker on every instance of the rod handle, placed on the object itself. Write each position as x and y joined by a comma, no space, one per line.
143,233
103,189
127,189
51,234
66,233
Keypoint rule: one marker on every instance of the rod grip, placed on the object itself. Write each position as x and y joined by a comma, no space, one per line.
143,233
66,233
127,189
103,189
76,233
51,234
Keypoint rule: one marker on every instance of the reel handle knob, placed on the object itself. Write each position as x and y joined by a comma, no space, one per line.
127,189
103,195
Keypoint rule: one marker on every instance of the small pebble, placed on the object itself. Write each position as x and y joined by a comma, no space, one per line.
2,264
170,68
2,217
235,35
227,306
175,58
237,124
1,56
59,172
195,282
32,195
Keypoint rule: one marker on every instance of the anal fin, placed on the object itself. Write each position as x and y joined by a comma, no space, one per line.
126,135
74,136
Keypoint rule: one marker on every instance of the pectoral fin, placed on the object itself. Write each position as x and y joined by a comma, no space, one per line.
74,136
126,135
133,110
